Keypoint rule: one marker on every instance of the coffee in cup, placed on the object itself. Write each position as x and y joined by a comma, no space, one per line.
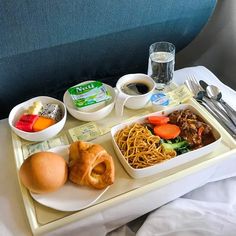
134,92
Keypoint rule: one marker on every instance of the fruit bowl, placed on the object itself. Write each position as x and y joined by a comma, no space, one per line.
44,134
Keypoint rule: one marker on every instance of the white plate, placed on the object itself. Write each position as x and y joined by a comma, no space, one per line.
70,197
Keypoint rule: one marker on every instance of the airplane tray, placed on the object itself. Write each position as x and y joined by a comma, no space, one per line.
44,219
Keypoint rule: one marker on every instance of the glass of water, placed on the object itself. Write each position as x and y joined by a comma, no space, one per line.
161,63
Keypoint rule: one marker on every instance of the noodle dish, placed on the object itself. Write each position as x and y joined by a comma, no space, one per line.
163,139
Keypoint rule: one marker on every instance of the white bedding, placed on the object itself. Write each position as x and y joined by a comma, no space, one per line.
208,210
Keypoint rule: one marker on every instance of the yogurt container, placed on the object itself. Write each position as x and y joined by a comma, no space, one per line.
89,96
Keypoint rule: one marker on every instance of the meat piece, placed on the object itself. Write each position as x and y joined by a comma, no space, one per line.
193,128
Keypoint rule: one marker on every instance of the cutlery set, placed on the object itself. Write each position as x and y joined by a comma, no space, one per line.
211,98
214,93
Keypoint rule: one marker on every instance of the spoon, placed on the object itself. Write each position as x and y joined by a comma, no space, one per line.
201,96
210,106
135,88
214,93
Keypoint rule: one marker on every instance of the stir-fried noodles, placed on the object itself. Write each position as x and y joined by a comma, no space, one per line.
140,147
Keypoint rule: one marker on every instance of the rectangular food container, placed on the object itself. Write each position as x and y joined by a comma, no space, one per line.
171,163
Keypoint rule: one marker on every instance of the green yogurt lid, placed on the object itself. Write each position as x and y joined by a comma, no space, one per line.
87,94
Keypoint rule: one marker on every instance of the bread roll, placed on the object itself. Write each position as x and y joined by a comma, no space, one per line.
90,165
44,172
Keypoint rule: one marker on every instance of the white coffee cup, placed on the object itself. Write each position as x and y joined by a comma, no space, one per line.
135,100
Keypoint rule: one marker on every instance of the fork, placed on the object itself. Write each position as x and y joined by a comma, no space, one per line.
193,84
200,95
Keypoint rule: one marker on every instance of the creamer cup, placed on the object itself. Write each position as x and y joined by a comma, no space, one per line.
159,101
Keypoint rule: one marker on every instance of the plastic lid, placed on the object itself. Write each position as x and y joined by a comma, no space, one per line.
159,101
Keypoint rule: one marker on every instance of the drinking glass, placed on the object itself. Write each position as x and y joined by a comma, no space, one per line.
161,63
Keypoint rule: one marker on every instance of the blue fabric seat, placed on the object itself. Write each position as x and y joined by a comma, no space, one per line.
48,46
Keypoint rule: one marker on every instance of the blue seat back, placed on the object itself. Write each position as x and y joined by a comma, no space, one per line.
48,46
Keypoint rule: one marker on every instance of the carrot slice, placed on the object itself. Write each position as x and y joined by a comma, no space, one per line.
200,131
167,131
158,120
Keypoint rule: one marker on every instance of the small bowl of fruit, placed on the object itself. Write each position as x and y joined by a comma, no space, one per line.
38,119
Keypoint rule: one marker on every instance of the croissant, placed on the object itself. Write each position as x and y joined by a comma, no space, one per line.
90,165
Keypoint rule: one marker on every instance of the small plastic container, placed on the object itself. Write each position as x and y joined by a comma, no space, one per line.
89,95
160,101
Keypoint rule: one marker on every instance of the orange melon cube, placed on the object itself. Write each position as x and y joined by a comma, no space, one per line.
42,123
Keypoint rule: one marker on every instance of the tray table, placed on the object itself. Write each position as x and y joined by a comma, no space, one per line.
43,219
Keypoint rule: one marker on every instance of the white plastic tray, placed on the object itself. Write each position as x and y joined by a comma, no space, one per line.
43,219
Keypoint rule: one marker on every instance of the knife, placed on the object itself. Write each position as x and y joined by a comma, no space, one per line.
230,112
200,96
224,122
203,84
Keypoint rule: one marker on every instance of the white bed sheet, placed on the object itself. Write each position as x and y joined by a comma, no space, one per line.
208,210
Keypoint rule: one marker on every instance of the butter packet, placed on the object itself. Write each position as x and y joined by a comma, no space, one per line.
89,95
179,95
31,148
85,132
